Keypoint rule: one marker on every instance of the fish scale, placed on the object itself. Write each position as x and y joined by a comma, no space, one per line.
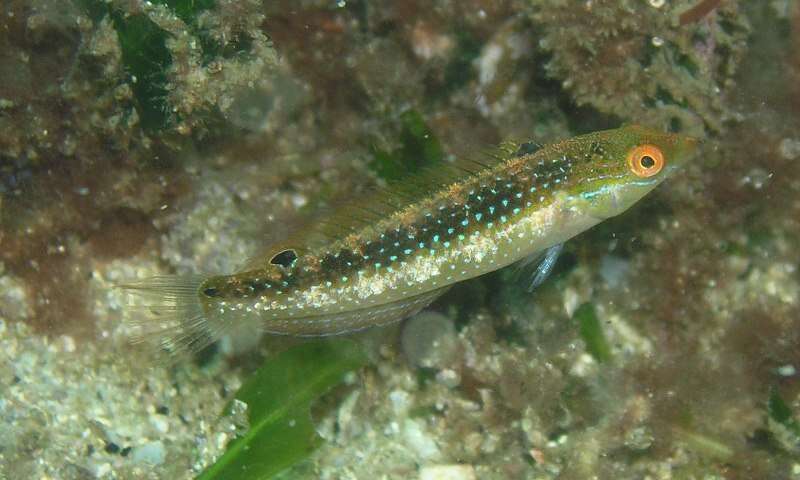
423,235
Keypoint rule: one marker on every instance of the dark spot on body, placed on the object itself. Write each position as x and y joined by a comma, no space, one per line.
112,448
211,292
527,148
285,258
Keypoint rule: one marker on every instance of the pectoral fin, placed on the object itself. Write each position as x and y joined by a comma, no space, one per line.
544,261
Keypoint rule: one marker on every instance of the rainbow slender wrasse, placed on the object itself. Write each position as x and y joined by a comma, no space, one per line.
386,258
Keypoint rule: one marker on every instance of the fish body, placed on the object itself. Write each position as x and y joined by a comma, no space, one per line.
414,240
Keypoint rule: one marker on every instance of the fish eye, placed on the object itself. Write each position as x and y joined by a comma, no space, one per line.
645,160
285,258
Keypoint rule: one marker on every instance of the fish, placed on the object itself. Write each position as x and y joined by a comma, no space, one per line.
388,256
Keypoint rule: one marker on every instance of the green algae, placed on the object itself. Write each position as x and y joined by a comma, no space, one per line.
190,12
148,56
146,59
187,10
278,397
591,331
418,148
457,72
780,412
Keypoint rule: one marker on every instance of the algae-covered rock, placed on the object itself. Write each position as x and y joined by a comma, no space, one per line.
642,61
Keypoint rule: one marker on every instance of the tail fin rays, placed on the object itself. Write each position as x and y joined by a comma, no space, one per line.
171,316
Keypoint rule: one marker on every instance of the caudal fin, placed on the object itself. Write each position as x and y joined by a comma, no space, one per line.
168,314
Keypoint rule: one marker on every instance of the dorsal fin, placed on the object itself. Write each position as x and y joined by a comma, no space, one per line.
380,202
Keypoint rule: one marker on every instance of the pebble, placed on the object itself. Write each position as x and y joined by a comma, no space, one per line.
447,472
419,440
400,400
614,269
789,148
151,453
449,378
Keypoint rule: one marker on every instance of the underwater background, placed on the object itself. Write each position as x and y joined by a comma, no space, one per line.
140,138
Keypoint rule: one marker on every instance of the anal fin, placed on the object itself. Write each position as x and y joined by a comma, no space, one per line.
352,320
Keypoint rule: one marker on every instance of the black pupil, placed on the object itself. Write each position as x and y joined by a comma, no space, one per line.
211,292
648,162
285,258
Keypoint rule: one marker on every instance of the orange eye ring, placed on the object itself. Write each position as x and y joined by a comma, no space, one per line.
645,160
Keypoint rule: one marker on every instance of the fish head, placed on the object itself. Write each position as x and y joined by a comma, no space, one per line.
623,165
